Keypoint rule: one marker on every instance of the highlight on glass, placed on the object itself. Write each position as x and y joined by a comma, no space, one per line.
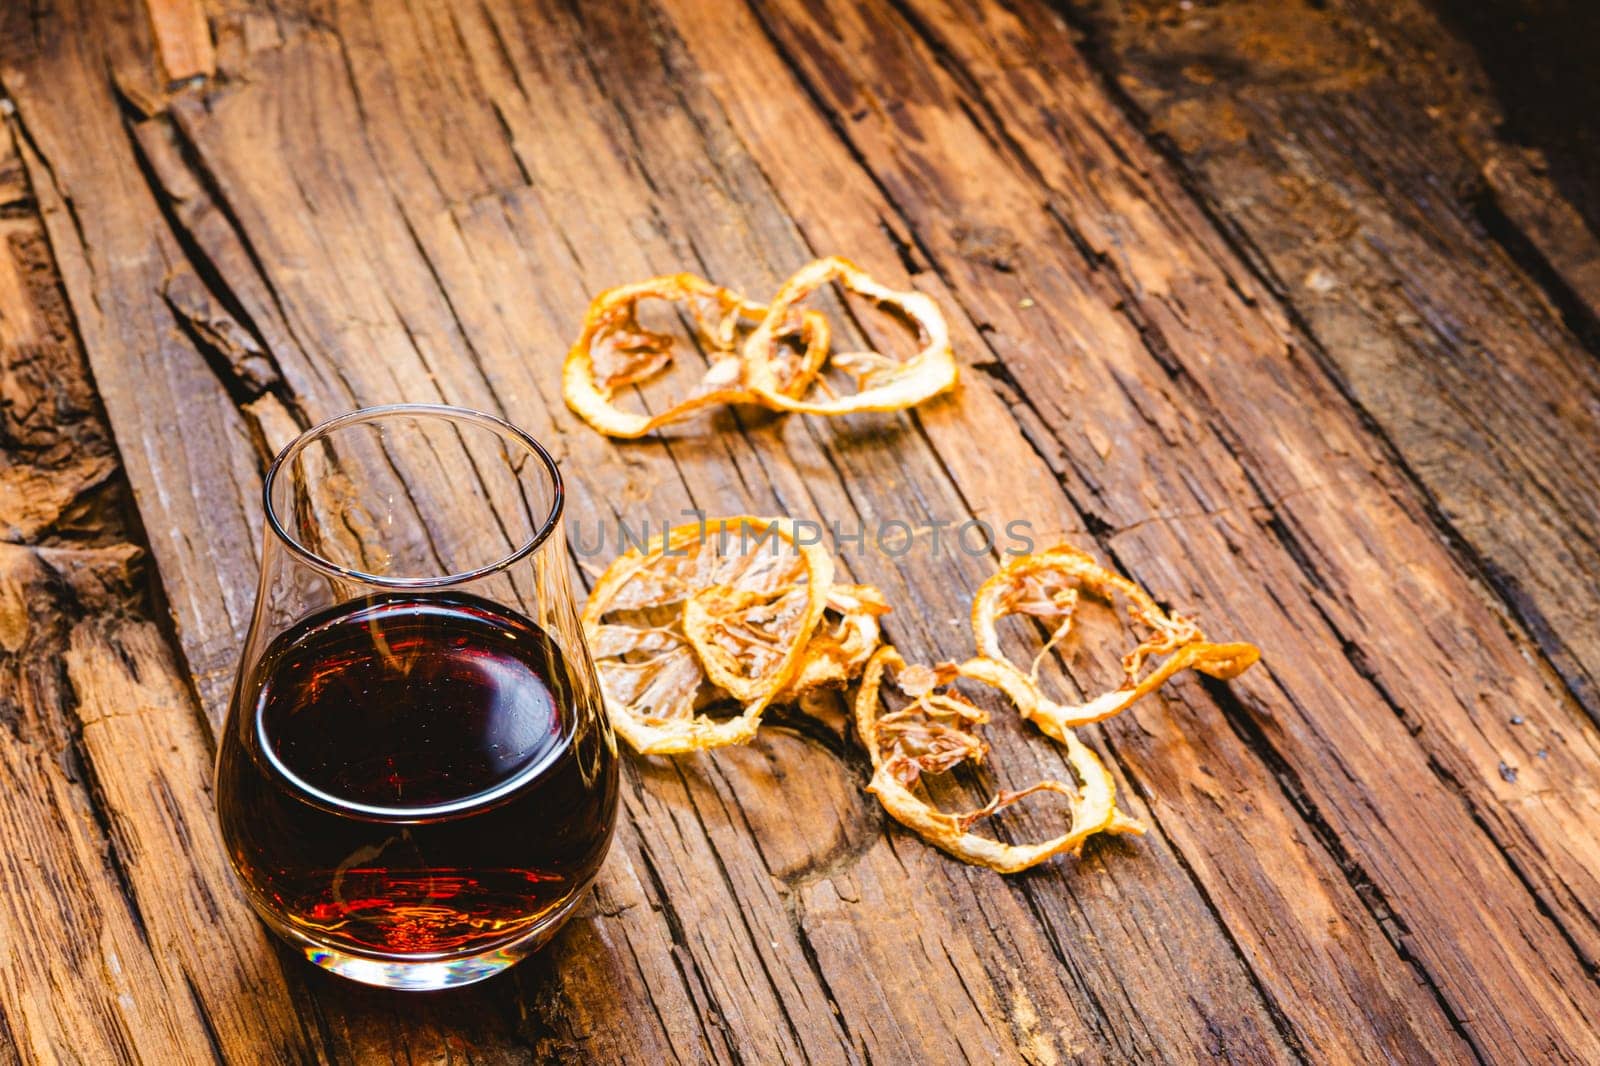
416,782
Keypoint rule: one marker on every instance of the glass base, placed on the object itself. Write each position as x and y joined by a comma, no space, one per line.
414,976
428,974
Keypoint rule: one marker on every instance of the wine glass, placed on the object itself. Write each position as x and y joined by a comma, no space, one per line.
416,781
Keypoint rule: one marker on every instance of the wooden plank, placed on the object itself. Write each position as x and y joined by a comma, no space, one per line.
1516,97
183,39
104,767
80,971
195,461
1353,153
1261,446
56,467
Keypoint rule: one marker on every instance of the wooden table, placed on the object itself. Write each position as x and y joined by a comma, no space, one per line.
1288,311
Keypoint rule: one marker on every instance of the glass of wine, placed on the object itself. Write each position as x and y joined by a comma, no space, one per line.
416,781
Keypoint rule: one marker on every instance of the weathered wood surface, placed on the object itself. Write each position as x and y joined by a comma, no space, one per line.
1289,120
1231,314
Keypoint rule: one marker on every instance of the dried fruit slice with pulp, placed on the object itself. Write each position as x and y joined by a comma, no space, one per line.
884,384
714,609
838,651
615,350
936,731
1047,585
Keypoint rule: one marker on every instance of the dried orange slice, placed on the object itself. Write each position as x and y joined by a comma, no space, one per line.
1047,585
706,611
614,350
884,384
935,732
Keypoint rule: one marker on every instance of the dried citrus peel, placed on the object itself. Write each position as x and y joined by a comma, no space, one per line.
885,384
777,366
1046,585
678,626
936,732
836,653
746,638
614,350
666,625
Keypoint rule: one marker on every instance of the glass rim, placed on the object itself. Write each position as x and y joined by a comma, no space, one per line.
435,410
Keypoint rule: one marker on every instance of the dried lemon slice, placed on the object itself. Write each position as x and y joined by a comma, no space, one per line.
885,384
1046,585
745,637
614,350
708,610
936,732
838,651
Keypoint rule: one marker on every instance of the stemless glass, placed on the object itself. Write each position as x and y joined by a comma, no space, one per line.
416,781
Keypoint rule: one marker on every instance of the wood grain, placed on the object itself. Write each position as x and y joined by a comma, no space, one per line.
1321,504
1363,176
443,268
1375,847
182,38
123,938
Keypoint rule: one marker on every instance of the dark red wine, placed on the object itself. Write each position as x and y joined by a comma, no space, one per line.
415,775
